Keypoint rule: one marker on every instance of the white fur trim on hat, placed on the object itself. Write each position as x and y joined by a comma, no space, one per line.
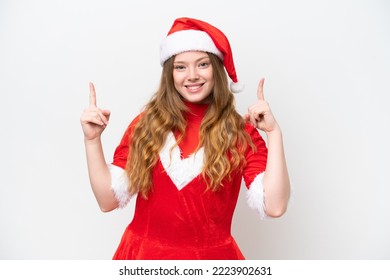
236,87
119,184
187,40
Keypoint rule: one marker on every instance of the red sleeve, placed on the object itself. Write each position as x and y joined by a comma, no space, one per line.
122,151
257,160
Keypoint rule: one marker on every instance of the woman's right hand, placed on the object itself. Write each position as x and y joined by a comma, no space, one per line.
93,120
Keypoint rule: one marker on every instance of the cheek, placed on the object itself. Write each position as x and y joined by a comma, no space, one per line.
211,79
178,78
210,75
177,82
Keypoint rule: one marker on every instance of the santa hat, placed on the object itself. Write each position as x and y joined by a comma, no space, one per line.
188,34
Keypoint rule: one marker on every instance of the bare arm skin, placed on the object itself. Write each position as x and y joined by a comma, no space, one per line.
276,180
93,122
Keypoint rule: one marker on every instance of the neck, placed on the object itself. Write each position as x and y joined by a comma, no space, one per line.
196,109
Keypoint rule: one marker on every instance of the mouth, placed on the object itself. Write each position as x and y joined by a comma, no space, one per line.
194,88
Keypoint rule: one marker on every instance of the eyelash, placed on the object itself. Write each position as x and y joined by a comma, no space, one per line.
179,67
201,65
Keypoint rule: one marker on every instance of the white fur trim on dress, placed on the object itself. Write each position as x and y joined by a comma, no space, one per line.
255,196
119,185
181,171
187,40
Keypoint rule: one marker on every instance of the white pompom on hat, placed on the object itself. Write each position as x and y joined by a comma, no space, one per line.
188,34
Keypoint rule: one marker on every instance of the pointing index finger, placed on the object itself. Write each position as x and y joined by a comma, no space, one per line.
260,93
92,95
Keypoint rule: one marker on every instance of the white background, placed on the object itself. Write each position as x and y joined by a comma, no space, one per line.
327,70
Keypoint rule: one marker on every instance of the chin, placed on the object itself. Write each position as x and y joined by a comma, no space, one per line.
196,100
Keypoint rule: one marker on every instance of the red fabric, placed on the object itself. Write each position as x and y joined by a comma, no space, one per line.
190,223
191,137
122,151
256,161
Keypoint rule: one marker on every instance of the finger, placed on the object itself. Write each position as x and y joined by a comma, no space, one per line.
92,95
96,116
253,120
250,117
92,120
107,114
104,114
260,92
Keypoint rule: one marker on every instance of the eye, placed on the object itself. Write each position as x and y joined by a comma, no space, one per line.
179,67
204,64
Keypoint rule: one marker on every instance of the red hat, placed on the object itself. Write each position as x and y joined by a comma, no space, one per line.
188,34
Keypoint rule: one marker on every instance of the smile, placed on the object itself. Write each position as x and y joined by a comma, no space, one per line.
194,87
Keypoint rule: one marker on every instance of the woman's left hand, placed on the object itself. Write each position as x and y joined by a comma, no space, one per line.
260,114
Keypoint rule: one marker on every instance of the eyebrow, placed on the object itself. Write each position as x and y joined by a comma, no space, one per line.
199,59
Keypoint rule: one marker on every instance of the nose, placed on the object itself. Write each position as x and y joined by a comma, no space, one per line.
193,74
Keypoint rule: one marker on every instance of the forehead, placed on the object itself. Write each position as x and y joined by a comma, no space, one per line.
190,56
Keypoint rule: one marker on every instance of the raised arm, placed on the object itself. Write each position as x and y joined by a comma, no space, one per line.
93,121
276,180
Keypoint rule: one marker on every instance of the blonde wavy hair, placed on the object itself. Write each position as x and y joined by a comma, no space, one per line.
222,132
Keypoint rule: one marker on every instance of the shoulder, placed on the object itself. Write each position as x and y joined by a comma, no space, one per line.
130,130
251,130
256,137
136,120
133,124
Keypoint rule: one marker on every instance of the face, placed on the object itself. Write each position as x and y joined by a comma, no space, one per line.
193,76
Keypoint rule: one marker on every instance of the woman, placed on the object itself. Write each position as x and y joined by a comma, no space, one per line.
186,154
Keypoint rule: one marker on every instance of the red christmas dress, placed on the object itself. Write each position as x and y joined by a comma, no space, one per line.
181,219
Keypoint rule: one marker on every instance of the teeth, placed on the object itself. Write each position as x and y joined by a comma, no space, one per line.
193,87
